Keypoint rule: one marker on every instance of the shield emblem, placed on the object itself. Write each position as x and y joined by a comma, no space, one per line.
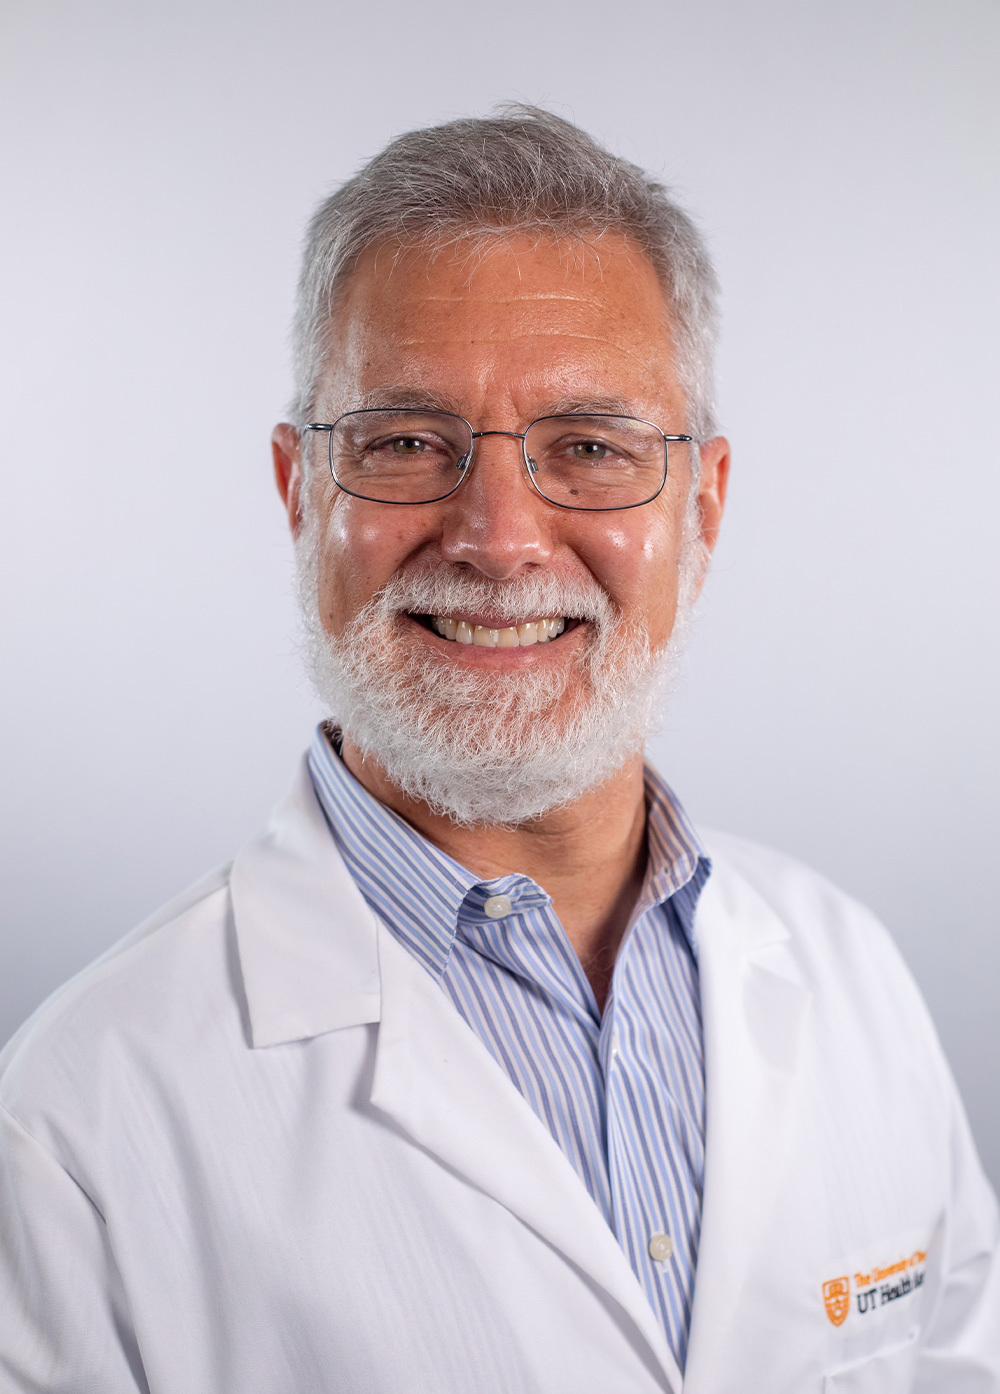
837,1299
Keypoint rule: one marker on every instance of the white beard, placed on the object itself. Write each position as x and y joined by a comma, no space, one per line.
486,747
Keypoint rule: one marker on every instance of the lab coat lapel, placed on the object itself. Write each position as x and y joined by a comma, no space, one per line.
753,1010
440,1086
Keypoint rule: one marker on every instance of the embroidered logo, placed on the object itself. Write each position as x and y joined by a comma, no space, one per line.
889,1283
874,1287
837,1299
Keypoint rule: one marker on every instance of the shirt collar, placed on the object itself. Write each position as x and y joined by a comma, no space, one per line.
412,885
419,891
677,864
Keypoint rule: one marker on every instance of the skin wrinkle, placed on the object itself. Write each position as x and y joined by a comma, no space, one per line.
527,336
578,253
562,297
491,349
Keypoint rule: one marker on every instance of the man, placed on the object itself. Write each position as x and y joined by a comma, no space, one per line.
480,1070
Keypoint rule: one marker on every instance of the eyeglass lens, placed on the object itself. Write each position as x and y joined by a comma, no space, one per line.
589,462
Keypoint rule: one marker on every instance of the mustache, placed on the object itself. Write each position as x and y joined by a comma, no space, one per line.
445,588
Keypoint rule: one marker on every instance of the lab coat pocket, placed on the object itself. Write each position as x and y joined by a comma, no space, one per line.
889,1371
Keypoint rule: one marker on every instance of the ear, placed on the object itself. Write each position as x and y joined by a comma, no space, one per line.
286,447
712,485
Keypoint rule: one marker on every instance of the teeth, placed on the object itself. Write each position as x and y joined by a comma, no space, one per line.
533,632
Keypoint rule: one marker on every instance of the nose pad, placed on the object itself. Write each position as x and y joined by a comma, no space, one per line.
462,463
531,464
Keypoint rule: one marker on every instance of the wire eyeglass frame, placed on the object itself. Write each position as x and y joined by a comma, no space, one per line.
465,463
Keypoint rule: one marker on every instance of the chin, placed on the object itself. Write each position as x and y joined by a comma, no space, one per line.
492,747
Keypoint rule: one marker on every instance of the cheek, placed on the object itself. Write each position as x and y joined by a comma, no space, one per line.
635,558
364,544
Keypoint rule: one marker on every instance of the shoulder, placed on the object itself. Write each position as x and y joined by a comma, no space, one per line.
152,986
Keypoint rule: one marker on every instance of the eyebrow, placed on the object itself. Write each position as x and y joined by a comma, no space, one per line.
404,398
591,406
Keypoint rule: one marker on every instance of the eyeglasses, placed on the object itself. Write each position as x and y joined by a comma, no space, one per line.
592,462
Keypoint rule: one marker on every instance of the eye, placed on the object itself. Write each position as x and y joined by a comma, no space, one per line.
408,445
589,450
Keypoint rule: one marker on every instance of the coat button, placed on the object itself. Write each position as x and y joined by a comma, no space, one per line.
497,906
661,1246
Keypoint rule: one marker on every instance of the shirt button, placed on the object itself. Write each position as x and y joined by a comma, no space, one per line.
497,906
661,1246
614,1046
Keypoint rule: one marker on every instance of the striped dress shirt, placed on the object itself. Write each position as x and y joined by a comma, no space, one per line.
621,1092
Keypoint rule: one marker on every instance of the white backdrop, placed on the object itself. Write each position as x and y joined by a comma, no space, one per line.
159,160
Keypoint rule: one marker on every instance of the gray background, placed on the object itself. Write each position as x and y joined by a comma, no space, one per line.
158,163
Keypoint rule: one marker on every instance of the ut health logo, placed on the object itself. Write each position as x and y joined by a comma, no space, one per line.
881,1285
837,1299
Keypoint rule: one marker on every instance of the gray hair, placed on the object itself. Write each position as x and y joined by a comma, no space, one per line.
520,170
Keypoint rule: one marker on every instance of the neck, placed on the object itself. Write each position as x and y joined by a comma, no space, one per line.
590,857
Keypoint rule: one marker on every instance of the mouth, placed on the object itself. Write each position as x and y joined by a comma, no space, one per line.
513,634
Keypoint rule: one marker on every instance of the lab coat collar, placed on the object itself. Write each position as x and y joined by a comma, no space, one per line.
306,938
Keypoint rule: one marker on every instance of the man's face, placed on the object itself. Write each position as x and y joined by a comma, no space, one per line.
521,328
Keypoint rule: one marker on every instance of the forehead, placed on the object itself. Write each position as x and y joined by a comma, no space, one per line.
534,317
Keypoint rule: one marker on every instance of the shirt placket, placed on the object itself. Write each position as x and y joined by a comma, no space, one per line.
644,1207
530,943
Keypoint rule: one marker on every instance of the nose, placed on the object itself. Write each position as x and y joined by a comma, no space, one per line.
496,521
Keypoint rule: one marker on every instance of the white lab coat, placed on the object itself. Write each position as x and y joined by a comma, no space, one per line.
255,1150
